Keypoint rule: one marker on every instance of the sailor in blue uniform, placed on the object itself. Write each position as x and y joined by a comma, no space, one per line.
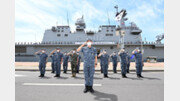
128,61
65,62
114,61
79,62
123,57
90,62
42,62
53,57
105,62
59,60
139,62
101,64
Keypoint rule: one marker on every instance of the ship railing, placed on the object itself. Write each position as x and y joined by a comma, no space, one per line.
71,43
143,43
44,43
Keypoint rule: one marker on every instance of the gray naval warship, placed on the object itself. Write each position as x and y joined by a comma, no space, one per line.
109,37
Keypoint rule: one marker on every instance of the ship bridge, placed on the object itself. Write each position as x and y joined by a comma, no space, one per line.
134,29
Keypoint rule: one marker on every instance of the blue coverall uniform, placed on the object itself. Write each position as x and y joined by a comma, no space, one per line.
128,62
42,62
59,56
114,60
53,58
89,63
105,60
123,57
79,61
139,63
101,64
65,63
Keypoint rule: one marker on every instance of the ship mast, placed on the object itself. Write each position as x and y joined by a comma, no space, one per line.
67,19
120,18
108,18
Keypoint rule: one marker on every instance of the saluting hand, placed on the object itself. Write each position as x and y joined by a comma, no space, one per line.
85,43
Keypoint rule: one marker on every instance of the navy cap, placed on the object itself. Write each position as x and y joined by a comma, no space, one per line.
57,47
89,39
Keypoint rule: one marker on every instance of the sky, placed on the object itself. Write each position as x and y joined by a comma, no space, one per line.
33,17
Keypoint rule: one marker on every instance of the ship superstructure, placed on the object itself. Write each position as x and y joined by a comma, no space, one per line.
107,37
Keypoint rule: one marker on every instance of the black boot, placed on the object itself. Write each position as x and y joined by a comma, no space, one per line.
123,76
77,71
141,76
40,75
105,76
138,75
52,72
91,89
57,75
86,89
127,71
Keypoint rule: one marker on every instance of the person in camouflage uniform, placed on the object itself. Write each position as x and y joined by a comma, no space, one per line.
74,62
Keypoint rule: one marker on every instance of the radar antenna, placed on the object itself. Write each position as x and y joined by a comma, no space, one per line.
159,37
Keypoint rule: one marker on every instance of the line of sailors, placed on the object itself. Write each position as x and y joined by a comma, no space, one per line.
58,58
125,60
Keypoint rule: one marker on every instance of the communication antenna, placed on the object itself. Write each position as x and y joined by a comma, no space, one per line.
56,23
35,38
108,17
67,19
62,21
116,7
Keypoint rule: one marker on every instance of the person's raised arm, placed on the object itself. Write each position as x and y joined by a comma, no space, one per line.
37,52
80,47
119,53
110,55
133,51
52,52
69,53
100,55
